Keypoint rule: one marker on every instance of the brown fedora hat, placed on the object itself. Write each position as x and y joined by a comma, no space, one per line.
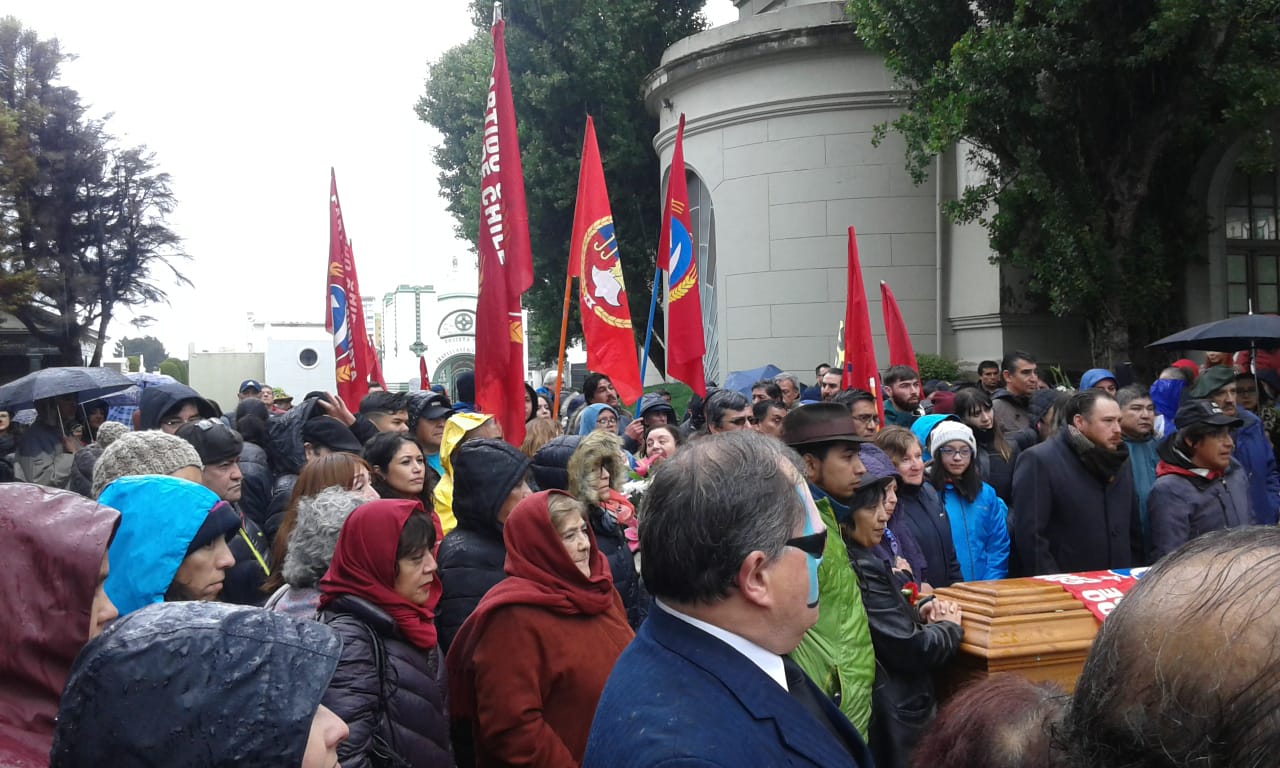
819,423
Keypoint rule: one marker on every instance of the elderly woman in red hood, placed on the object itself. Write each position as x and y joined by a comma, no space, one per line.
530,702
47,620
379,595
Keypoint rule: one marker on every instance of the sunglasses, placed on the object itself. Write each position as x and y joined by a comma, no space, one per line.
812,544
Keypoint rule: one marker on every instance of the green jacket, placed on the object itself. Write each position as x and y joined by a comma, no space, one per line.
836,652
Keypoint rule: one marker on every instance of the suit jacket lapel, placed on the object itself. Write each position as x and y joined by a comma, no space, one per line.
758,693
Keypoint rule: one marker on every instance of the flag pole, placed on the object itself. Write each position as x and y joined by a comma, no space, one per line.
648,331
497,12
564,332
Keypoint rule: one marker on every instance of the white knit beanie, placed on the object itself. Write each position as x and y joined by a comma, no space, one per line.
947,431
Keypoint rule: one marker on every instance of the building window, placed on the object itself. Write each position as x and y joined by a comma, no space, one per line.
308,358
1253,243
702,216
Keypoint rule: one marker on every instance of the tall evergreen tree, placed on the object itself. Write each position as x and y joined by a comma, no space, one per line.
568,58
82,219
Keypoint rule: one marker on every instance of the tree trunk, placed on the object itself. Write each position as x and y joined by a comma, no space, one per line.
103,322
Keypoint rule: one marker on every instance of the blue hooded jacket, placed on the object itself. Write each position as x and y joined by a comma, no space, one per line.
1253,451
587,422
159,518
980,533
922,426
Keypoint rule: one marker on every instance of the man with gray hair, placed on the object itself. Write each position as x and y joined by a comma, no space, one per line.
731,541
790,387
1184,672
727,411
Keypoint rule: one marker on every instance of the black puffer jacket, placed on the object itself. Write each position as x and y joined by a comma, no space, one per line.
622,565
193,683
255,488
596,450
472,556
243,585
550,466
908,652
407,707
924,514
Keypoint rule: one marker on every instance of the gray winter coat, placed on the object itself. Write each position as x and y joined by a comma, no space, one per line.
1182,504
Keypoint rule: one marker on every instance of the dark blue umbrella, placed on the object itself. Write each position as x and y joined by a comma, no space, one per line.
741,381
86,383
1230,335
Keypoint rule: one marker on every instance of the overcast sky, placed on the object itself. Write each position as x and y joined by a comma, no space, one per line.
247,106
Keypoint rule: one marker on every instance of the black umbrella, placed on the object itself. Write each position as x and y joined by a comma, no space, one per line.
1230,335
86,383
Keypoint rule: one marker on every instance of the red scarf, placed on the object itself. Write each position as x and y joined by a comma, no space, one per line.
364,565
539,572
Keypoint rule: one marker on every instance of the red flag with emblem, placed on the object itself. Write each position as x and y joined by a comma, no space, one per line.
859,352
685,343
901,352
344,317
506,262
602,295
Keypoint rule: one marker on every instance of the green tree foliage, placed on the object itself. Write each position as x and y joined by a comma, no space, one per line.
175,368
936,367
149,347
568,59
82,219
1088,119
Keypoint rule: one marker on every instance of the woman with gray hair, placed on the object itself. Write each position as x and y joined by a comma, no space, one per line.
311,543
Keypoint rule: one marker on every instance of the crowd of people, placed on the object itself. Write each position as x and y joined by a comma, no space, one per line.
750,582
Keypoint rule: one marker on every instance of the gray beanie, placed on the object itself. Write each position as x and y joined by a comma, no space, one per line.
143,453
109,432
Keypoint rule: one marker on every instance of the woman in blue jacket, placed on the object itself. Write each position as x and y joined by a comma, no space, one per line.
978,516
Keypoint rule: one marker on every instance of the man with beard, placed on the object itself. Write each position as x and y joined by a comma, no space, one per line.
1074,507
902,396
1138,427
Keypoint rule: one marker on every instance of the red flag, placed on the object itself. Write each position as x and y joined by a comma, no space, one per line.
424,381
375,365
506,262
345,315
900,350
859,353
593,258
676,256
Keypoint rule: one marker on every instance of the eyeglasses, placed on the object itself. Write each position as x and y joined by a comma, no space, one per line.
811,544
737,422
962,453
867,418
177,421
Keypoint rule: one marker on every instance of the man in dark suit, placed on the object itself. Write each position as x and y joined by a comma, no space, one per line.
731,541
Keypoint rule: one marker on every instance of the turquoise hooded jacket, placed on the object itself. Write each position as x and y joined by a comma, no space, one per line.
159,517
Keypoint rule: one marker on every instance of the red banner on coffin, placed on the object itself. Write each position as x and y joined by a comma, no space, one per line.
1099,591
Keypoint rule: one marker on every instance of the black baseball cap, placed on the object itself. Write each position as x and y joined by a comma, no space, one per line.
1204,412
248,384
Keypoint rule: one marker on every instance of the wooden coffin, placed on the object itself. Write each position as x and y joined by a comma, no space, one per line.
1031,628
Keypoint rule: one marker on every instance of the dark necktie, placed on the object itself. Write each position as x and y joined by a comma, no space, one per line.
807,695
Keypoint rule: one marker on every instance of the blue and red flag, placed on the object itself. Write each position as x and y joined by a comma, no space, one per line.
602,295
677,257
344,317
